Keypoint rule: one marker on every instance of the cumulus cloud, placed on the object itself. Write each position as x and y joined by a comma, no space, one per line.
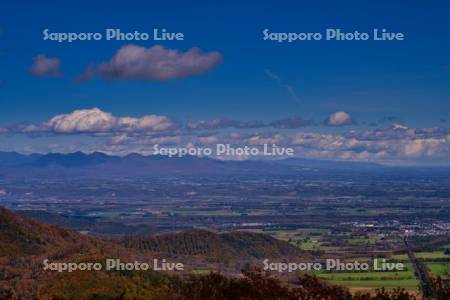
46,66
339,118
398,131
393,143
291,123
97,121
83,120
157,63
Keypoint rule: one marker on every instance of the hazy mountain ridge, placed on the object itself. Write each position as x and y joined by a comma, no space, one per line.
103,165
131,165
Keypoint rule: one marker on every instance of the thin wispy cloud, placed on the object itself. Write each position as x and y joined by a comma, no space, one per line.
290,90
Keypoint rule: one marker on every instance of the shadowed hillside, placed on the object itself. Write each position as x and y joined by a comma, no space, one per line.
24,236
25,243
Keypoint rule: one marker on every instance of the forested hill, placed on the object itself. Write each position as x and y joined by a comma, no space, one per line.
225,245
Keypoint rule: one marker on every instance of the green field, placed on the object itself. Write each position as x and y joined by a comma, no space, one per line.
439,268
373,280
304,238
431,258
320,239
422,255
431,255
401,257
409,284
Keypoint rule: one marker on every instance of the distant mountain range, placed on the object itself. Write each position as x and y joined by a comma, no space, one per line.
99,164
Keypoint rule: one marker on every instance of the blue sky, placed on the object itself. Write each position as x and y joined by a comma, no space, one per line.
404,82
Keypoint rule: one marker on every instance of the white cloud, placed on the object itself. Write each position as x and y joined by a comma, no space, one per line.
157,63
393,143
83,120
97,121
339,118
